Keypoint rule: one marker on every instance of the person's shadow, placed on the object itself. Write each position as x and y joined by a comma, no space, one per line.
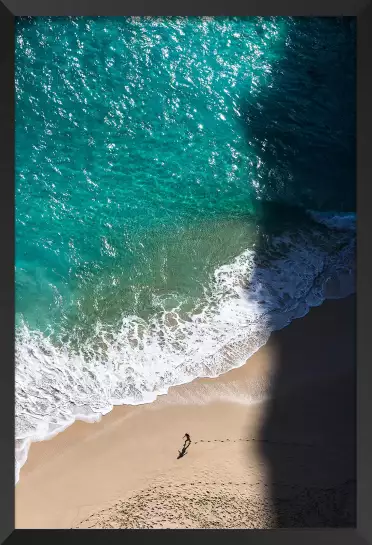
183,452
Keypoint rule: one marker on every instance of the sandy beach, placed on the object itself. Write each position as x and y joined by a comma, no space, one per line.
273,444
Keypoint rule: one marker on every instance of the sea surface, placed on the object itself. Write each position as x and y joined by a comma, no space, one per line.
184,186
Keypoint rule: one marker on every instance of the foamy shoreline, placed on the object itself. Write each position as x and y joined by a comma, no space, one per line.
77,387
133,447
23,449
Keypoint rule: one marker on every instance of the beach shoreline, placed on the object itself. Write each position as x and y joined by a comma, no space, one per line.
115,472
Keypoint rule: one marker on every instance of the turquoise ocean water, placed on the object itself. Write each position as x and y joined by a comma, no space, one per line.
184,186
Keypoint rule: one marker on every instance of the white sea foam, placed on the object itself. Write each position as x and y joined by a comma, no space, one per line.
139,360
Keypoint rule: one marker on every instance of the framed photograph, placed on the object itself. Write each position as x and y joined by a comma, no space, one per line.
180,303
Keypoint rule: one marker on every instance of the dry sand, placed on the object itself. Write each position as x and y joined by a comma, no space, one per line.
253,462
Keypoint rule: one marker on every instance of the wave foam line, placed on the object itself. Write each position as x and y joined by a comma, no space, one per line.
140,360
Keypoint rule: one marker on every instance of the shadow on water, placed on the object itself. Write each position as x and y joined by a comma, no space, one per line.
302,122
303,129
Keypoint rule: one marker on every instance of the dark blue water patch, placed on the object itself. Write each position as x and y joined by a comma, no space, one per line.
303,126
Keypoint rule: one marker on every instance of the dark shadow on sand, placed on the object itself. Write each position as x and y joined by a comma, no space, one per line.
314,486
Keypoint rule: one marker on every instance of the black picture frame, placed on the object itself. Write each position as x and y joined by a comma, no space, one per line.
363,11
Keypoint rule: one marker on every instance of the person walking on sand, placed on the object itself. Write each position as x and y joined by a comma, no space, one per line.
186,445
